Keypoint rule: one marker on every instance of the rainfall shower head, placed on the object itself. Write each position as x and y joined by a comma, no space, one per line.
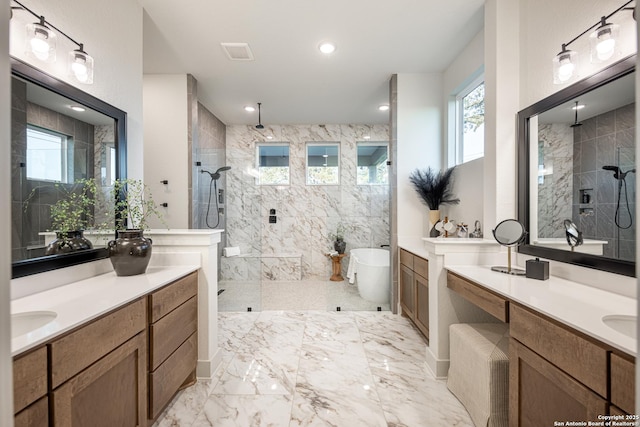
216,175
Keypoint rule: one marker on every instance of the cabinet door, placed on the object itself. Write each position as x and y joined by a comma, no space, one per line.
422,304
111,392
407,291
540,393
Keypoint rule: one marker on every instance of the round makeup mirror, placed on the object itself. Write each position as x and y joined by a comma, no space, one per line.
574,236
509,233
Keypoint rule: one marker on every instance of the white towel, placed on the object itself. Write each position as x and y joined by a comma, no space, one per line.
231,251
351,271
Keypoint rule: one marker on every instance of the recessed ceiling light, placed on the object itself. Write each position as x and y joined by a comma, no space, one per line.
325,155
367,137
383,107
269,137
327,47
578,107
249,109
77,108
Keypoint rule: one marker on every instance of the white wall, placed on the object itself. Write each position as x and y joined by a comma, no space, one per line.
419,112
6,378
112,34
468,183
166,146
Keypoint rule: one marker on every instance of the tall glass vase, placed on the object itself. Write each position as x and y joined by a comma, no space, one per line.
434,218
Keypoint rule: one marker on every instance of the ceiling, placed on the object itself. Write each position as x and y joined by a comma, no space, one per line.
294,81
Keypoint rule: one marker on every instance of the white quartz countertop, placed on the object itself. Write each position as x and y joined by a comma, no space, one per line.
79,302
578,306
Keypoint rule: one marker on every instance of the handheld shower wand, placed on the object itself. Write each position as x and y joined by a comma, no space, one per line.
620,176
215,176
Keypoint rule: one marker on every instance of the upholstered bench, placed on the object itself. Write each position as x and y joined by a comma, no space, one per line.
479,371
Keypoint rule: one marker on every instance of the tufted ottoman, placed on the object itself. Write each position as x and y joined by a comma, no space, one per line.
479,371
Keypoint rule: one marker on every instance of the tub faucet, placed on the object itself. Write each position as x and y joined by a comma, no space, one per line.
385,246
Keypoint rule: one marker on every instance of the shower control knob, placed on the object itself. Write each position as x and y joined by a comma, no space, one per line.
164,181
164,205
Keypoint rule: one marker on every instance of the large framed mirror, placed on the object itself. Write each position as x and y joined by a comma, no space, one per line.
60,135
576,161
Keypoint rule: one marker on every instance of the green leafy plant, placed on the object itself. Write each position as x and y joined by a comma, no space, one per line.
339,234
134,205
75,210
434,188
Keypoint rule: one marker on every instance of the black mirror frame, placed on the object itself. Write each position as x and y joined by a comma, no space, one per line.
607,75
33,75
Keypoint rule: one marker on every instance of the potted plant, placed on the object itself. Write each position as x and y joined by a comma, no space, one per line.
338,239
434,190
133,205
71,215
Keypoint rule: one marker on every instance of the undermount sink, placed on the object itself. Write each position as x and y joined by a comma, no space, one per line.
23,323
624,324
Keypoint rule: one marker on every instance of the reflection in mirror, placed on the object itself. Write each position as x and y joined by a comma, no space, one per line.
577,161
60,137
372,163
509,233
574,236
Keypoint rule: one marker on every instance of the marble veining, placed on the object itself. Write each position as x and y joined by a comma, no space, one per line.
317,368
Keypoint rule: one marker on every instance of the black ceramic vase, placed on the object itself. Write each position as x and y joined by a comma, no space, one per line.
130,252
68,241
340,246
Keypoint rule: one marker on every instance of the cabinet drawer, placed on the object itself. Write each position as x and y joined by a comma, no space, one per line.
421,267
623,383
490,302
167,379
406,258
29,378
563,347
171,296
36,415
168,333
74,352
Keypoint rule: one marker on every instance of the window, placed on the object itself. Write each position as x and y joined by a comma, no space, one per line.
372,163
323,164
470,122
273,164
46,155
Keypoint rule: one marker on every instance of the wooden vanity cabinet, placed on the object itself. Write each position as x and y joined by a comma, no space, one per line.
98,371
414,289
30,401
173,349
555,372
623,384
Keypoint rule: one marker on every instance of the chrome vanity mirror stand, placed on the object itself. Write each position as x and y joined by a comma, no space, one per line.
509,233
574,236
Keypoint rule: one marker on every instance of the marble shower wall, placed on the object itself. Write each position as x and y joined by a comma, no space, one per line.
306,214
555,145
607,139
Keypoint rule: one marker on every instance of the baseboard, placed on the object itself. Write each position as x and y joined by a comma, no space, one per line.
205,369
439,367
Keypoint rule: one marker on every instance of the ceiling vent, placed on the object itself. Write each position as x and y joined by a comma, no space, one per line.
237,51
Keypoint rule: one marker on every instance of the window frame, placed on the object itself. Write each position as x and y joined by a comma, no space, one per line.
458,143
375,144
306,160
272,144
64,142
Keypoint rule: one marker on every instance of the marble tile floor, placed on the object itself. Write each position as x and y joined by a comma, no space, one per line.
317,368
292,295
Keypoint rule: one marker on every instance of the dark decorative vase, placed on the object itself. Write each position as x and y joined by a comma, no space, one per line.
340,246
68,241
130,252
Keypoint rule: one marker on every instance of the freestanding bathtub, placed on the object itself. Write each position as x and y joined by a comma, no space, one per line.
370,269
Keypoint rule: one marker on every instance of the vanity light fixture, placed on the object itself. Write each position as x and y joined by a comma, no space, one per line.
602,41
41,44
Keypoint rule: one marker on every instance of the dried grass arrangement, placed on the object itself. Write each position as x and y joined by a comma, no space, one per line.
434,188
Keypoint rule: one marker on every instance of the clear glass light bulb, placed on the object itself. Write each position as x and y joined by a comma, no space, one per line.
40,47
565,71
605,48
